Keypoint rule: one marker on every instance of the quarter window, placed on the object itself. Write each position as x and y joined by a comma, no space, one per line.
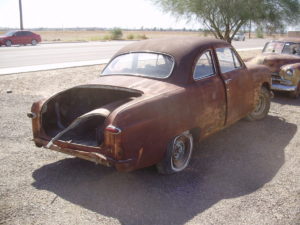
228,60
204,66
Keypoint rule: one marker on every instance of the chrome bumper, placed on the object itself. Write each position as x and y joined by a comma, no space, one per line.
281,87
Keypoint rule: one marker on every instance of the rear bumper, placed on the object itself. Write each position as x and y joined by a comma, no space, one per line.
98,158
281,87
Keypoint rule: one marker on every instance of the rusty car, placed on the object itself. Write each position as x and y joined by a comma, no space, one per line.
283,59
152,102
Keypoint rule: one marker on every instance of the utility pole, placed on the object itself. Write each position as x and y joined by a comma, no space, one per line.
21,16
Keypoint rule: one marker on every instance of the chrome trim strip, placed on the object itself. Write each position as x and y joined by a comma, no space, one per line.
280,87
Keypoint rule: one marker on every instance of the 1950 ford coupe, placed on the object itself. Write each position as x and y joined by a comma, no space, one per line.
153,100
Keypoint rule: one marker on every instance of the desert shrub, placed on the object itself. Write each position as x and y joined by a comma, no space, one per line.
106,37
142,36
95,38
116,34
130,36
259,32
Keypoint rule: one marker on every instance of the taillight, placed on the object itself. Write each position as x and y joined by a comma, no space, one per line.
112,129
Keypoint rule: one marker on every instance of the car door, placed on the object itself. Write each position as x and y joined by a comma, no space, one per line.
17,37
26,38
208,95
238,82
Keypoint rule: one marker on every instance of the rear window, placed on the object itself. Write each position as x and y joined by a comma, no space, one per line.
145,64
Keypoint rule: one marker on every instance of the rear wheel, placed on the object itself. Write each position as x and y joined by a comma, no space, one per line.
33,42
262,106
8,43
178,154
296,93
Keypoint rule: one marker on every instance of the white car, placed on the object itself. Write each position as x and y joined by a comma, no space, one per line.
239,37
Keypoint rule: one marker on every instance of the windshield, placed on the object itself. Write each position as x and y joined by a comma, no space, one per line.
10,33
282,48
153,65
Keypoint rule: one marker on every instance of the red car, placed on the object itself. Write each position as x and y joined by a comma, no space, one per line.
20,38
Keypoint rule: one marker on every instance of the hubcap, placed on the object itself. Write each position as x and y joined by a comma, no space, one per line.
182,149
260,106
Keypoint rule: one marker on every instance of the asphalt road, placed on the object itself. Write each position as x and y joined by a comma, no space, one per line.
21,56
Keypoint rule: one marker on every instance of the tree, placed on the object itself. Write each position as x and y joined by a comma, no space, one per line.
224,18
116,34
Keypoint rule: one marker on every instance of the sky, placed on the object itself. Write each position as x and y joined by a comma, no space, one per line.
89,13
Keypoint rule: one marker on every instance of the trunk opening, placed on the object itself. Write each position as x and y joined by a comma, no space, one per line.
77,115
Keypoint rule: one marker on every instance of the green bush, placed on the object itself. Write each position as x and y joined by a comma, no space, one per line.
116,34
142,36
259,32
130,36
106,37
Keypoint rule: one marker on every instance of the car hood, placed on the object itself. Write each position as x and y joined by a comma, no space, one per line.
145,85
275,61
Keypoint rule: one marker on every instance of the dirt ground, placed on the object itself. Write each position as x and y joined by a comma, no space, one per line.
248,173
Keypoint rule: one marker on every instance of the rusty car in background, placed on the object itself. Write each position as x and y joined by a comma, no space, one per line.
153,100
283,59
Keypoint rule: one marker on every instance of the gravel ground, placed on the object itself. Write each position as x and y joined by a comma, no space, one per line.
248,173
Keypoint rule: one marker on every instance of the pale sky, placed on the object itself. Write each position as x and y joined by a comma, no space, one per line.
88,13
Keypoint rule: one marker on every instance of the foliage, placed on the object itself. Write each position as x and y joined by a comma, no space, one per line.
259,32
142,36
130,36
116,34
106,38
224,18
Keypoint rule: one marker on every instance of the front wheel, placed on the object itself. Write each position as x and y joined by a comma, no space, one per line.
8,43
178,154
262,106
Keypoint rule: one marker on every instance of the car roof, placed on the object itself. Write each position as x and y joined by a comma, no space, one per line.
184,50
178,47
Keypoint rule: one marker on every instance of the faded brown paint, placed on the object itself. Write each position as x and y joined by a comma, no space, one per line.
167,107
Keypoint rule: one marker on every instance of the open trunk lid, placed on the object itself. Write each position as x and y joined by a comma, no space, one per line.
78,115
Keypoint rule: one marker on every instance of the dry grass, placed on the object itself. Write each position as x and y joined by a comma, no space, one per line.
79,35
105,35
85,35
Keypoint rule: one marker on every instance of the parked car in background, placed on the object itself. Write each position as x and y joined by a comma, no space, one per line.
154,99
21,37
240,36
283,59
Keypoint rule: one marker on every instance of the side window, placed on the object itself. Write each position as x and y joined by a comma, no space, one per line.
20,34
204,66
27,33
228,60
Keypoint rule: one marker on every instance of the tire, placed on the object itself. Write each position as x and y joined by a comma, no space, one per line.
34,42
262,106
178,154
296,93
8,43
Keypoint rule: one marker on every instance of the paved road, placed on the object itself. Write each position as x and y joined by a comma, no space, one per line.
21,56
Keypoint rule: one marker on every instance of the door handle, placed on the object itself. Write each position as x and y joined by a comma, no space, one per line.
227,81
